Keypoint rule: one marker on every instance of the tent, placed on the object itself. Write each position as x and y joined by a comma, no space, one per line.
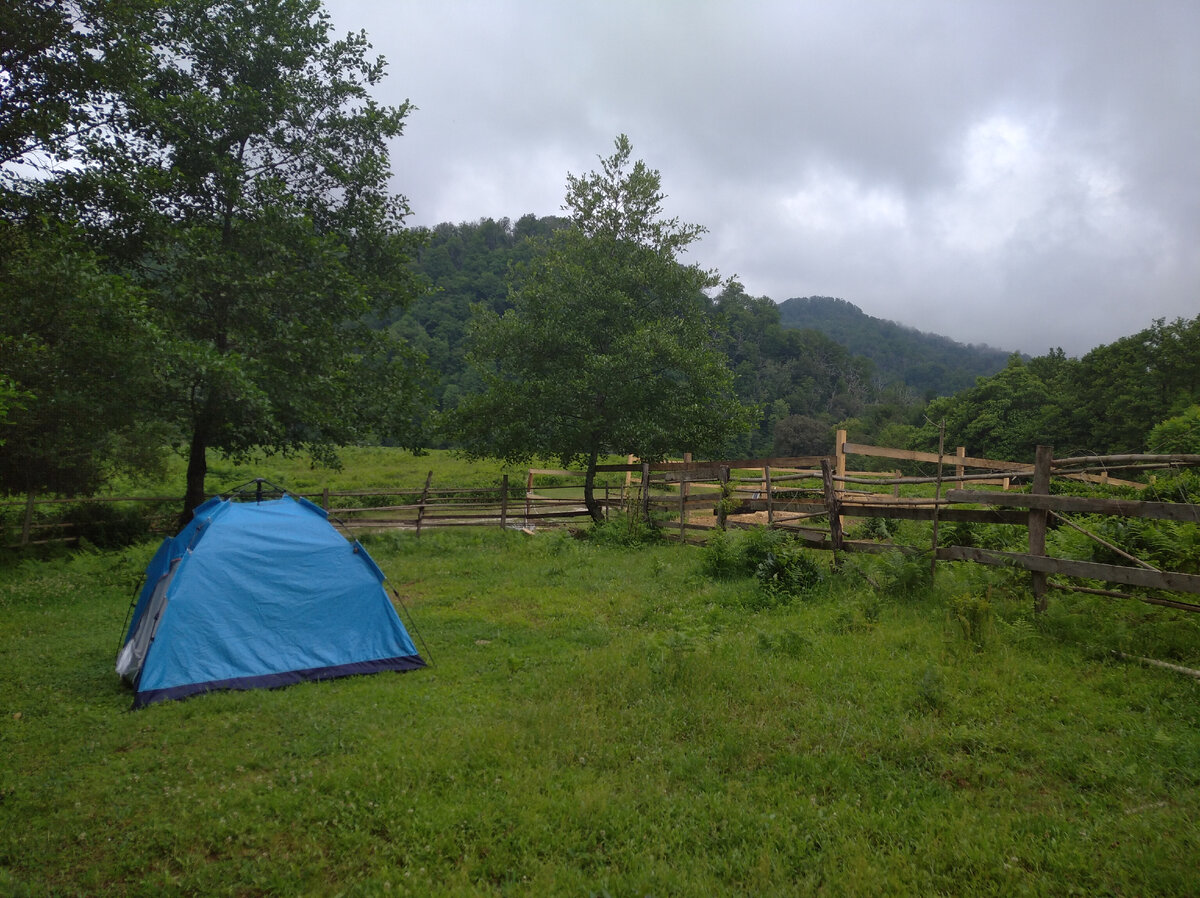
253,595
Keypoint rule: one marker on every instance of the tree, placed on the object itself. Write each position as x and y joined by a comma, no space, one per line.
77,343
1005,416
607,346
78,348
248,193
62,63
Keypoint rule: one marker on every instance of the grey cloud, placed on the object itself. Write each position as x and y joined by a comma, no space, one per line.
1017,173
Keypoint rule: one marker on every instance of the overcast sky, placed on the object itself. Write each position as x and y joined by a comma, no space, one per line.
1022,174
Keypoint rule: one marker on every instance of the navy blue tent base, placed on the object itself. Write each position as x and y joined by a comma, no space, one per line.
279,680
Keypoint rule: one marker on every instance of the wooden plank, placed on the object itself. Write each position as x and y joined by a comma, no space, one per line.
1130,508
1037,521
1092,461
802,461
831,505
953,515
912,455
1112,573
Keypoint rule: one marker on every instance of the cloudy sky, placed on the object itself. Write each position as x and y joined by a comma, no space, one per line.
1022,174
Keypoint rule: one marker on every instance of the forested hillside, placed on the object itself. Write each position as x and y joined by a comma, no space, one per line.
805,382
816,364
929,364
1140,393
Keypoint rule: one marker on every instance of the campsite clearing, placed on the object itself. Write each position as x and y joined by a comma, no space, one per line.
601,719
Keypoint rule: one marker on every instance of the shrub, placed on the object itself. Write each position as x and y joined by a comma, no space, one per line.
107,525
973,616
787,573
623,530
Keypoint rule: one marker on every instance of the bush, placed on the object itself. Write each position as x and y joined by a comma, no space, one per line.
107,525
623,530
738,554
787,573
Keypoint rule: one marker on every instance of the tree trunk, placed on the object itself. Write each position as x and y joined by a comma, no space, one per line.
196,470
589,489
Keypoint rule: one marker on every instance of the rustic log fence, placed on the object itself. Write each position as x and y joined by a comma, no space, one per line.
811,497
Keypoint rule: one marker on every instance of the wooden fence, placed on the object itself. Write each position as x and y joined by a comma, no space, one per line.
812,497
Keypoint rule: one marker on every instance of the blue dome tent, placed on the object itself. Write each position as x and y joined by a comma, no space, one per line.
259,594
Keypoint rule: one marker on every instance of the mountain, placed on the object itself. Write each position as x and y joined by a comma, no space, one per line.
931,365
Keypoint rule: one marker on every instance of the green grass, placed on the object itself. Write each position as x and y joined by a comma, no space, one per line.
602,720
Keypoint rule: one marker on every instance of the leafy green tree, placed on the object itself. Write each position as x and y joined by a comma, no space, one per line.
248,192
78,349
1177,435
1005,416
62,67
607,345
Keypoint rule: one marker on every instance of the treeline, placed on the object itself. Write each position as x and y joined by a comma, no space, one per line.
815,364
1137,394
804,381
929,364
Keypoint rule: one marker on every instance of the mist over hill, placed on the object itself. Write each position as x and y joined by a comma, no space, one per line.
930,364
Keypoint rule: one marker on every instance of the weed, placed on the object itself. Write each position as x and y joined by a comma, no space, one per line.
931,691
874,528
623,530
972,616
786,573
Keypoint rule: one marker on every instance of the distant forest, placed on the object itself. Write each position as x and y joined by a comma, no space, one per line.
818,363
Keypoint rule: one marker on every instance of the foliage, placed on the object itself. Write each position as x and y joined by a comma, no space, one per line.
62,66
606,347
105,525
231,174
80,349
1120,397
787,573
972,618
280,235
464,264
1177,435
1005,416
926,364
777,563
805,380
623,530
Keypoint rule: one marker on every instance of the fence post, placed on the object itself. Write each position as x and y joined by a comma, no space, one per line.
424,499
646,491
504,502
325,498
682,510
685,493
839,456
937,497
1037,521
833,506
960,453
770,504
27,520
723,479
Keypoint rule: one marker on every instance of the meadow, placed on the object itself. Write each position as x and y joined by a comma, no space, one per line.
611,719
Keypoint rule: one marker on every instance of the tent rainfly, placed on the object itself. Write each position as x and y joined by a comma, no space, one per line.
256,595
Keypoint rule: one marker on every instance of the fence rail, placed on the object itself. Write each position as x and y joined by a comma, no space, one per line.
811,497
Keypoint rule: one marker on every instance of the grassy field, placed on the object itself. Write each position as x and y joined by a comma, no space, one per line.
606,720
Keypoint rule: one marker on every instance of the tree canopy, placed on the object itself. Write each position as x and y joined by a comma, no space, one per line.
237,182
607,347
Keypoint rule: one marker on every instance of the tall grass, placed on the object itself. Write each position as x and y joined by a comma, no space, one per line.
606,720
